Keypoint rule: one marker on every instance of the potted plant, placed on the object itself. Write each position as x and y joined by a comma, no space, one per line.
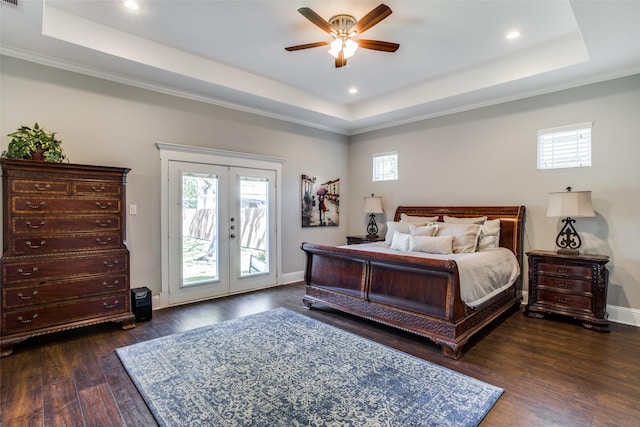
34,143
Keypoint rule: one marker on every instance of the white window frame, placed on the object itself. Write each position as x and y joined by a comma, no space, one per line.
565,147
385,166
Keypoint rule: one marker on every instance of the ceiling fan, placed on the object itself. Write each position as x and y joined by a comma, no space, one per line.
342,28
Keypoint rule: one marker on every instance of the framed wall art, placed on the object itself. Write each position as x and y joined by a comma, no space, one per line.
320,201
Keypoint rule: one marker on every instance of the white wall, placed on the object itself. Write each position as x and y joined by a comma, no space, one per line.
488,156
485,156
106,123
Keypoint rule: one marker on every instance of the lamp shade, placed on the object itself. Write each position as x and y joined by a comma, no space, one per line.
570,204
373,205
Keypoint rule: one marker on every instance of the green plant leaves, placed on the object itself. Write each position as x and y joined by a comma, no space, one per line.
28,140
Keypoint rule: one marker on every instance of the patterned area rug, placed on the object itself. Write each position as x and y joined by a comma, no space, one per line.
280,368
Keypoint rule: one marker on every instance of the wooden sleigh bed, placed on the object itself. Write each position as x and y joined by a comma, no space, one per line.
415,294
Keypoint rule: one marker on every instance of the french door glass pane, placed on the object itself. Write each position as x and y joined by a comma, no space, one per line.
199,228
253,225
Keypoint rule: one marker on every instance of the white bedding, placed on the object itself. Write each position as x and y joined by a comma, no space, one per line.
482,274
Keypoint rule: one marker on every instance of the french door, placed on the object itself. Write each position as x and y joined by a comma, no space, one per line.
221,230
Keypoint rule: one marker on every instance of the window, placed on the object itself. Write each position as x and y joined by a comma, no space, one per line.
565,147
385,167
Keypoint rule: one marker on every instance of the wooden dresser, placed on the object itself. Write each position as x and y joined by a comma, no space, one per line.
64,262
570,285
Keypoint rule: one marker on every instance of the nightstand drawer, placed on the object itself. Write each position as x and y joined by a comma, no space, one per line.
579,302
563,283
564,270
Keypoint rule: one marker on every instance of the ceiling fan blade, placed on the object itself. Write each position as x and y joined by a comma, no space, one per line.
316,19
378,45
305,46
371,19
341,61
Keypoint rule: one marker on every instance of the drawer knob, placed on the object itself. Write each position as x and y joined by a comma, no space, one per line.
103,242
32,246
107,285
561,300
34,226
34,206
23,320
115,304
39,188
562,270
103,224
33,294
98,190
562,285
103,206
28,273
110,265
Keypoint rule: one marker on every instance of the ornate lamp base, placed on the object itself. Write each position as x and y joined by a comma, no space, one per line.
372,228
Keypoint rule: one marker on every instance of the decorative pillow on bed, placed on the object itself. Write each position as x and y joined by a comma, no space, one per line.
431,245
465,236
392,227
417,220
400,241
429,230
461,220
489,235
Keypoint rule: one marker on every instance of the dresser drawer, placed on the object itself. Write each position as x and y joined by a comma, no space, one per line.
47,244
32,295
580,302
97,188
555,282
47,224
31,319
63,205
40,270
565,270
40,186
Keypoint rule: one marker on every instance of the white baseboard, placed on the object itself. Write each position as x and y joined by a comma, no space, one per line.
624,315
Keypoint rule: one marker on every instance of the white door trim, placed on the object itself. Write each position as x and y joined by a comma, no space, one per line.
186,153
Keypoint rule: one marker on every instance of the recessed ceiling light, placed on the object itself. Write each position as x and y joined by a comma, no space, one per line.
353,90
131,4
512,35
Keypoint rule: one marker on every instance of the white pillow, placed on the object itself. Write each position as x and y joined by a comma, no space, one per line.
459,220
417,220
489,235
400,241
402,227
431,245
429,230
465,236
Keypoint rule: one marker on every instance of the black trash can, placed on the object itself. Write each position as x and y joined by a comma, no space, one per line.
141,303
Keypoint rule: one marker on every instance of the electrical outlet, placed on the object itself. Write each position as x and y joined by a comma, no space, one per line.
133,210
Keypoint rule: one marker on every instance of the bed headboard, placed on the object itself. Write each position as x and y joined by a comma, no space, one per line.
511,220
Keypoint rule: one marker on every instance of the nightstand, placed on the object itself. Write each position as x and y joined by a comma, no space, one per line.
570,285
356,240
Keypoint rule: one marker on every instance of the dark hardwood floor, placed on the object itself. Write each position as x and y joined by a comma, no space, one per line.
554,372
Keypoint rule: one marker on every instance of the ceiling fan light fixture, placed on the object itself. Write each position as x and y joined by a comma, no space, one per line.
342,28
336,47
350,48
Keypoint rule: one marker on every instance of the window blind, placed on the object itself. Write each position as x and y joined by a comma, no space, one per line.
565,147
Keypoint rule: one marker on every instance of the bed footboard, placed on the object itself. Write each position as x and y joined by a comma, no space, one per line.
414,294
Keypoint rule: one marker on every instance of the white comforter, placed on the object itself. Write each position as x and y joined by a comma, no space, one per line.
482,274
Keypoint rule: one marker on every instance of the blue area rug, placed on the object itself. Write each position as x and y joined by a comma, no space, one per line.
280,368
